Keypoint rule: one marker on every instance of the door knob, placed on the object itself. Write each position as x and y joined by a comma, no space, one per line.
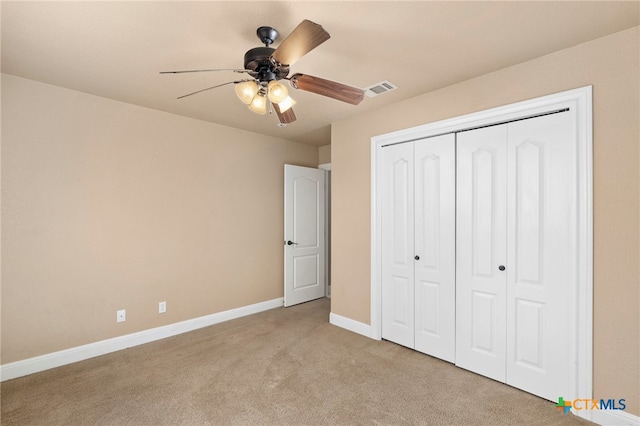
291,243
501,267
417,257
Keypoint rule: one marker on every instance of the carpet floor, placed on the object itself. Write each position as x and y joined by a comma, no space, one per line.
286,366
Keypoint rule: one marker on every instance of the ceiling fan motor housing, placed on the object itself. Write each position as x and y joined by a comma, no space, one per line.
259,60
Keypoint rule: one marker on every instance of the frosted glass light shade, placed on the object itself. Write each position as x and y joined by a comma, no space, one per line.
246,91
277,92
286,104
259,104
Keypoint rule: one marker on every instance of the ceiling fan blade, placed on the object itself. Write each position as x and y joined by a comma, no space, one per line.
331,89
219,69
303,39
286,117
213,87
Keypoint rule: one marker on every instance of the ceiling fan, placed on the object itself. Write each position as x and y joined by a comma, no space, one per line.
267,66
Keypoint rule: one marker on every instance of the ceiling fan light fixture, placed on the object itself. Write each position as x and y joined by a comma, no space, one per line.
259,103
264,92
246,91
277,92
287,103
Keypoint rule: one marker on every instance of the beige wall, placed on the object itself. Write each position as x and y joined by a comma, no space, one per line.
611,65
324,154
107,205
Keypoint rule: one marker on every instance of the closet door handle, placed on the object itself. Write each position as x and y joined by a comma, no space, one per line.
291,243
501,267
417,257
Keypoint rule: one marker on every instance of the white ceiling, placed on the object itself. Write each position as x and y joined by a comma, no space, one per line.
116,49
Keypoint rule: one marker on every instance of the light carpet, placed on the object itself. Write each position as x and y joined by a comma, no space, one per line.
286,366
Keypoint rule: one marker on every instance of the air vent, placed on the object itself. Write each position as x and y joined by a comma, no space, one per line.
380,88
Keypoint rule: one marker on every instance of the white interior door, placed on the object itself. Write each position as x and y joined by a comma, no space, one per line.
481,251
517,252
303,234
542,255
418,245
525,204
435,233
397,244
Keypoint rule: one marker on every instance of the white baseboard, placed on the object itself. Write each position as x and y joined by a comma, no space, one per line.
349,324
614,418
80,353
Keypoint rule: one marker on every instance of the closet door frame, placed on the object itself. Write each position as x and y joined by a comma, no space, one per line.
579,103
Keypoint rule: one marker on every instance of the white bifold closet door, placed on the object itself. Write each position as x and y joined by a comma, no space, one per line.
481,250
516,252
418,245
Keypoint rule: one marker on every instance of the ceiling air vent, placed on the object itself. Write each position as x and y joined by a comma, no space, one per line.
380,88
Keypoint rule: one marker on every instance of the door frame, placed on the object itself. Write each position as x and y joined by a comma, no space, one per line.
327,228
579,103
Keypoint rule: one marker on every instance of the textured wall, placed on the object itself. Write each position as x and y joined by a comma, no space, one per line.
324,154
107,205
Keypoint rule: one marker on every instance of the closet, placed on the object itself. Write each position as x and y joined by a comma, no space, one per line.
479,246
418,245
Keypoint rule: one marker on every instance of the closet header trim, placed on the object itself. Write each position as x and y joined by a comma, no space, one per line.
498,123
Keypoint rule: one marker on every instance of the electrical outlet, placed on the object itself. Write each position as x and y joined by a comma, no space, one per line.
121,315
162,307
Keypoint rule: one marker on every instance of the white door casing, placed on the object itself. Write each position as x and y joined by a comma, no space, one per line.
303,234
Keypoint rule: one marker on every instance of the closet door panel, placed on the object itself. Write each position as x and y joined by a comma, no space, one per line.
481,250
397,244
541,265
435,246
